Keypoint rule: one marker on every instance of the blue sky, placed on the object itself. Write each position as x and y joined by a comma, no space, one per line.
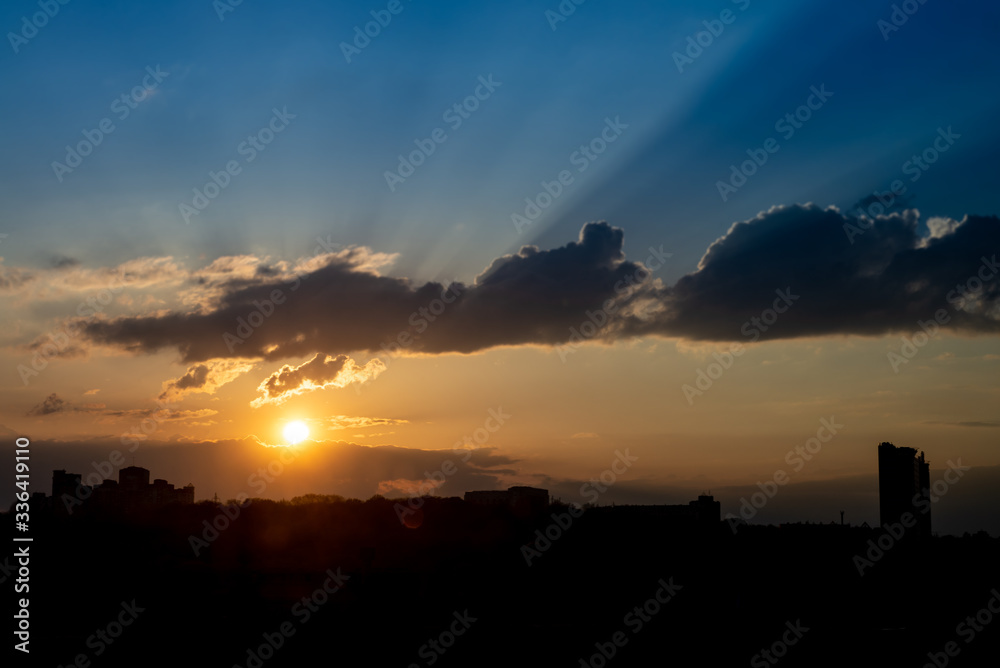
325,173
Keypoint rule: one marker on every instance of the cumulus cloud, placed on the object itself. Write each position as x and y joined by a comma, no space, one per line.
885,281
882,280
206,378
534,296
321,372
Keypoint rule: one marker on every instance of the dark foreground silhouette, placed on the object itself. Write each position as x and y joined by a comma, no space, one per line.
328,582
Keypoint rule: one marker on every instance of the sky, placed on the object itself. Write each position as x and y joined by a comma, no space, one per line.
521,238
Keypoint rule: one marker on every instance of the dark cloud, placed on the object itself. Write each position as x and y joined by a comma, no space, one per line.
52,404
64,262
194,378
885,281
205,378
58,347
883,277
14,278
532,297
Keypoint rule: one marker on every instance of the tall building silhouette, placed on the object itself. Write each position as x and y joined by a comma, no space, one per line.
904,487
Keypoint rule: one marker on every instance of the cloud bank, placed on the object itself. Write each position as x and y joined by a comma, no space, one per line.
880,281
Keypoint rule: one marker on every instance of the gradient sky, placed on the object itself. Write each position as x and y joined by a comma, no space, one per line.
892,94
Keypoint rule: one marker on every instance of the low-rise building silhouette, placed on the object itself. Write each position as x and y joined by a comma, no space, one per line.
704,512
132,491
524,500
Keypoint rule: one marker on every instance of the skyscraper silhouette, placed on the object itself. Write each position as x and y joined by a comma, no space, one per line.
904,487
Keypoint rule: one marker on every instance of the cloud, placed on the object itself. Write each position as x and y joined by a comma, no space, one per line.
885,281
13,278
50,347
206,378
349,422
321,372
54,404
63,262
92,392
533,296
68,276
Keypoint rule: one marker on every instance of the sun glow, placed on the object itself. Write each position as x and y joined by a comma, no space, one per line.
296,432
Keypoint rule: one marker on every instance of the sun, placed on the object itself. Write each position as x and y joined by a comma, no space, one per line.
296,432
